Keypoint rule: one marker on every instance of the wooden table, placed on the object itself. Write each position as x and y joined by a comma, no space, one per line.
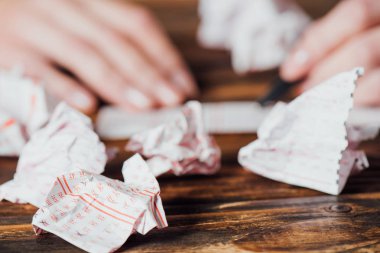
234,210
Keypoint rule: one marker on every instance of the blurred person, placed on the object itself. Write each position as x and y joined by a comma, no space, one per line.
348,36
85,49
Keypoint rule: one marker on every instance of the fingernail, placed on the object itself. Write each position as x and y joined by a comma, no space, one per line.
81,100
167,96
300,57
184,82
295,62
138,99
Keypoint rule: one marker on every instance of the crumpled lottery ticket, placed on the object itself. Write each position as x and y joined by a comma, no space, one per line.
67,142
305,142
98,214
181,146
259,33
26,104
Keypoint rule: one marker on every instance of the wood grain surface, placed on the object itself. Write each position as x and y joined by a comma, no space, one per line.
234,210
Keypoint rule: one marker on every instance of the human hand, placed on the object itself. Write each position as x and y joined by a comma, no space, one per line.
345,38
113,50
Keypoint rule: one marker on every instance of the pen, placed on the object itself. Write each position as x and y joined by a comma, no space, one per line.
279,88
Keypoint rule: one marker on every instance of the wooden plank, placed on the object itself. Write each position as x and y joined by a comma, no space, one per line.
323,223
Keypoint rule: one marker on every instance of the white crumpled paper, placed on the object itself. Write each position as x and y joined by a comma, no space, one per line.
181,146
305,142
12,136
98,214
25,102
67,142
259,33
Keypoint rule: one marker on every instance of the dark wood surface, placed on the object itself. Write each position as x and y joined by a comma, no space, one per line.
234,210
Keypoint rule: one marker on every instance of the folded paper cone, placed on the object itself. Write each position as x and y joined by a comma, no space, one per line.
305,142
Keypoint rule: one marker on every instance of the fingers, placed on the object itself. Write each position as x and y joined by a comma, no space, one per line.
118,64
90,67
67,89
127,61
363,51
346,20
56,83
107,45
140,26
368,91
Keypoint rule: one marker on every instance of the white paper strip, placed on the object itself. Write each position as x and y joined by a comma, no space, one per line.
219,118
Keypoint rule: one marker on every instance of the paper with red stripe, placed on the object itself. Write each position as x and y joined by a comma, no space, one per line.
182,146
26,102
66,143
98,214
12,136
306,142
